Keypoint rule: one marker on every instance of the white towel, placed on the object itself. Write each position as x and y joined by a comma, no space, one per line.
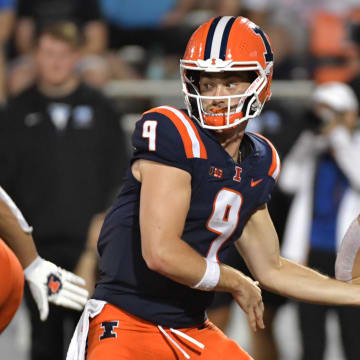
78,342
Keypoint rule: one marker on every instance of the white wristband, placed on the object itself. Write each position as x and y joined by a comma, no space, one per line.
30,268
211,276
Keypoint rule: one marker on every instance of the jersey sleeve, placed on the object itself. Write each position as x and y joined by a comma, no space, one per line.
271,165
167,135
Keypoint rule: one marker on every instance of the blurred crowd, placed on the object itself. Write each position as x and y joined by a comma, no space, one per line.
317,40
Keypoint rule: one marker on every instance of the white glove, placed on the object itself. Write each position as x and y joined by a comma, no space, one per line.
50,283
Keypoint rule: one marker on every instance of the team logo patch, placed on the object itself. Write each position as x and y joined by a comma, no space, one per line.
238,171
54,284
108,327
215,172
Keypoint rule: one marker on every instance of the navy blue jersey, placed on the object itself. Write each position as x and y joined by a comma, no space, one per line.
224,194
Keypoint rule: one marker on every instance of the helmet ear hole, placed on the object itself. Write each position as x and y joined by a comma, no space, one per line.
246,104
193,77
194,107
192,81
252,76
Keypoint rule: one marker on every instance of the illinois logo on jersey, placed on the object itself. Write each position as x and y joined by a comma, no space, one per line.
238,171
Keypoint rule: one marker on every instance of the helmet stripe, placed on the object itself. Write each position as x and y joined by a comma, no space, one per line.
217,36
225,38
210,37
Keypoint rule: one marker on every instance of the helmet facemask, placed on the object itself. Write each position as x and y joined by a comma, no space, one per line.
238,107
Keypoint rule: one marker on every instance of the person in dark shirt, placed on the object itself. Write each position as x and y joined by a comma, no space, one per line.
63,154
33,16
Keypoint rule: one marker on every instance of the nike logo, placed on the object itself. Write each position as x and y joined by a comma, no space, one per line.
255,182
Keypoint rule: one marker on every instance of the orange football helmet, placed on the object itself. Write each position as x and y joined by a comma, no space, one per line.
221,44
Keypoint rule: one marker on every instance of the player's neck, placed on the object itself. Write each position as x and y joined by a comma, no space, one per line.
230,140
58,90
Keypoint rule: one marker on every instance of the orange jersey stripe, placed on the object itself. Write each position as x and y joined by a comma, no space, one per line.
274,169
203,153
193,145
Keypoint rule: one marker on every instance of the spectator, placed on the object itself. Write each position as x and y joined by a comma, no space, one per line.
6,21
284,22
35,15
94,71
63,156
355,38
322,171
155,26
20,75
289,65
331,60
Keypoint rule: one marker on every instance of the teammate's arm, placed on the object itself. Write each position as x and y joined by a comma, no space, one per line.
18,237
164,204
259,246
39,273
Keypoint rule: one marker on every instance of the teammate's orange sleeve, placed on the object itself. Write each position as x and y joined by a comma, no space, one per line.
11,285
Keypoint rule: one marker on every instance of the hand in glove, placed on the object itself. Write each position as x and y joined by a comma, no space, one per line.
50,283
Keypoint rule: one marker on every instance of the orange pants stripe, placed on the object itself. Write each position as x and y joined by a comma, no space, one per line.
116,334
11,285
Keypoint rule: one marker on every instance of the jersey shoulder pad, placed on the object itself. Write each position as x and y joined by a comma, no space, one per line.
167,133
268,153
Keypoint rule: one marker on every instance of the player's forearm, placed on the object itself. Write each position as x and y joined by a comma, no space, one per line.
304,284
13,234
177,260
20,242
181,263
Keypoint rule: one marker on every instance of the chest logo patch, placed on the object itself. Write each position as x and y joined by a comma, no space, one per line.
253,182
238,171
215,172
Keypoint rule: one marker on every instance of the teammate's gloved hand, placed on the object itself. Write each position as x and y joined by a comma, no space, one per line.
50,283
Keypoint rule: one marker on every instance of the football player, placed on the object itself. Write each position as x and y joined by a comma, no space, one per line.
47,282
197,183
